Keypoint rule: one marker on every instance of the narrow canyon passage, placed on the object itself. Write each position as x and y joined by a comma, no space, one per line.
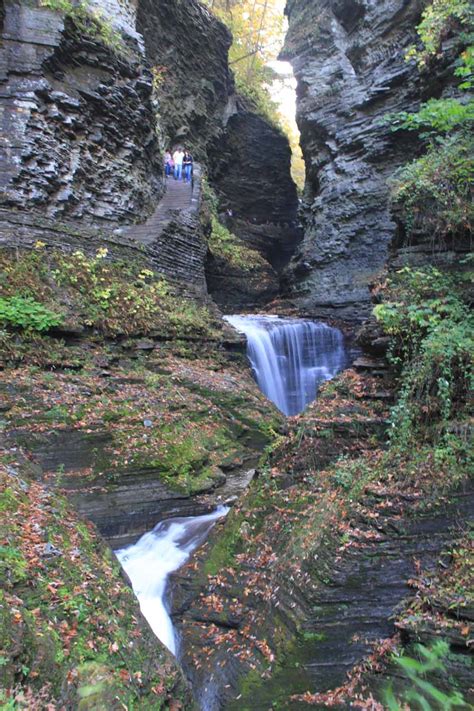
235,426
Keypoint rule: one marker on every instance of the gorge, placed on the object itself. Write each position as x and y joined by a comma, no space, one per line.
259,398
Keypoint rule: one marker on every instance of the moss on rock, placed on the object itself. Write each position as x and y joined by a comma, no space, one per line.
72,633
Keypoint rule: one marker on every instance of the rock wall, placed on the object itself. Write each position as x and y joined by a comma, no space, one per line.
187,48
122,14
248,159
84,124
251,169
77,121
250,172
348,58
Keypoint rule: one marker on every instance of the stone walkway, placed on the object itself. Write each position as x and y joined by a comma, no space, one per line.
178,198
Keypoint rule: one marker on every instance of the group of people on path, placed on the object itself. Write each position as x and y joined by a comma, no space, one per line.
179,164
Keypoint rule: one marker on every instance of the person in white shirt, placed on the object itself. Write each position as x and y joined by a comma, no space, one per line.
178,156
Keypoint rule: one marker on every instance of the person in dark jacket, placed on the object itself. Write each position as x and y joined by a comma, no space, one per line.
188,166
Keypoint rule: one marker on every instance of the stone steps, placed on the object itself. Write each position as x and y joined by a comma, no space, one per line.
177,198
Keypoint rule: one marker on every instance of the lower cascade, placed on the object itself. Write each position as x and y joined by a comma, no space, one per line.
149,562
291,357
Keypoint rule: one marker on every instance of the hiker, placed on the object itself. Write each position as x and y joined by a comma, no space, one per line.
188,166
169,164
178,156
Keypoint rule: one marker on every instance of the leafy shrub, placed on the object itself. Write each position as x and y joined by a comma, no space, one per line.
225,244
434,116
423,692
432,343
434,193
27,313
440,19
88,21
116,298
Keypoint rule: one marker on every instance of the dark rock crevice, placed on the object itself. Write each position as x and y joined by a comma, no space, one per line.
250,171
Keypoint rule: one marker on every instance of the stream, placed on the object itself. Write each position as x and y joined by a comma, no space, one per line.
149,562
290,358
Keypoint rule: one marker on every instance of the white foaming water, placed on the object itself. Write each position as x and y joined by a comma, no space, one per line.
291,357
149,562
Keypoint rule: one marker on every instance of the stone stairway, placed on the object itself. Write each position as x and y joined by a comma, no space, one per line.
179,197
173,238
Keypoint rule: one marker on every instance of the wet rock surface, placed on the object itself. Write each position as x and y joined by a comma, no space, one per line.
130,451
250,171
69,595
349,63
298,586
235,288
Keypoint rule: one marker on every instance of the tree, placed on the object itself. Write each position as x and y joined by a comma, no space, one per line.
257,28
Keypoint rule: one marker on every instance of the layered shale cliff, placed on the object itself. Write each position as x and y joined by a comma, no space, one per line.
349,61
88,106
247,157
78,127
187,49
250,171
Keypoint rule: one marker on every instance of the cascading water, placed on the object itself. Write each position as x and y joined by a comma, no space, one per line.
291,357
149,562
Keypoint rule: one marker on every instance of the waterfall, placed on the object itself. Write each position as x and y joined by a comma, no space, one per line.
149,562
291,357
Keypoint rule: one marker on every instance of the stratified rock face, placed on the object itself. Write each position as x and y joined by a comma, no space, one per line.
77,120
251,170
348,58
82,123
187,48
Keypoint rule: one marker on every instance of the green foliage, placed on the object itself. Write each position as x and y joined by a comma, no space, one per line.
422,693
434,192
298,167
12,565
223,243
256,92
434,116
440,19
89,21
257,31
113,297
432,343
27,313
465,68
